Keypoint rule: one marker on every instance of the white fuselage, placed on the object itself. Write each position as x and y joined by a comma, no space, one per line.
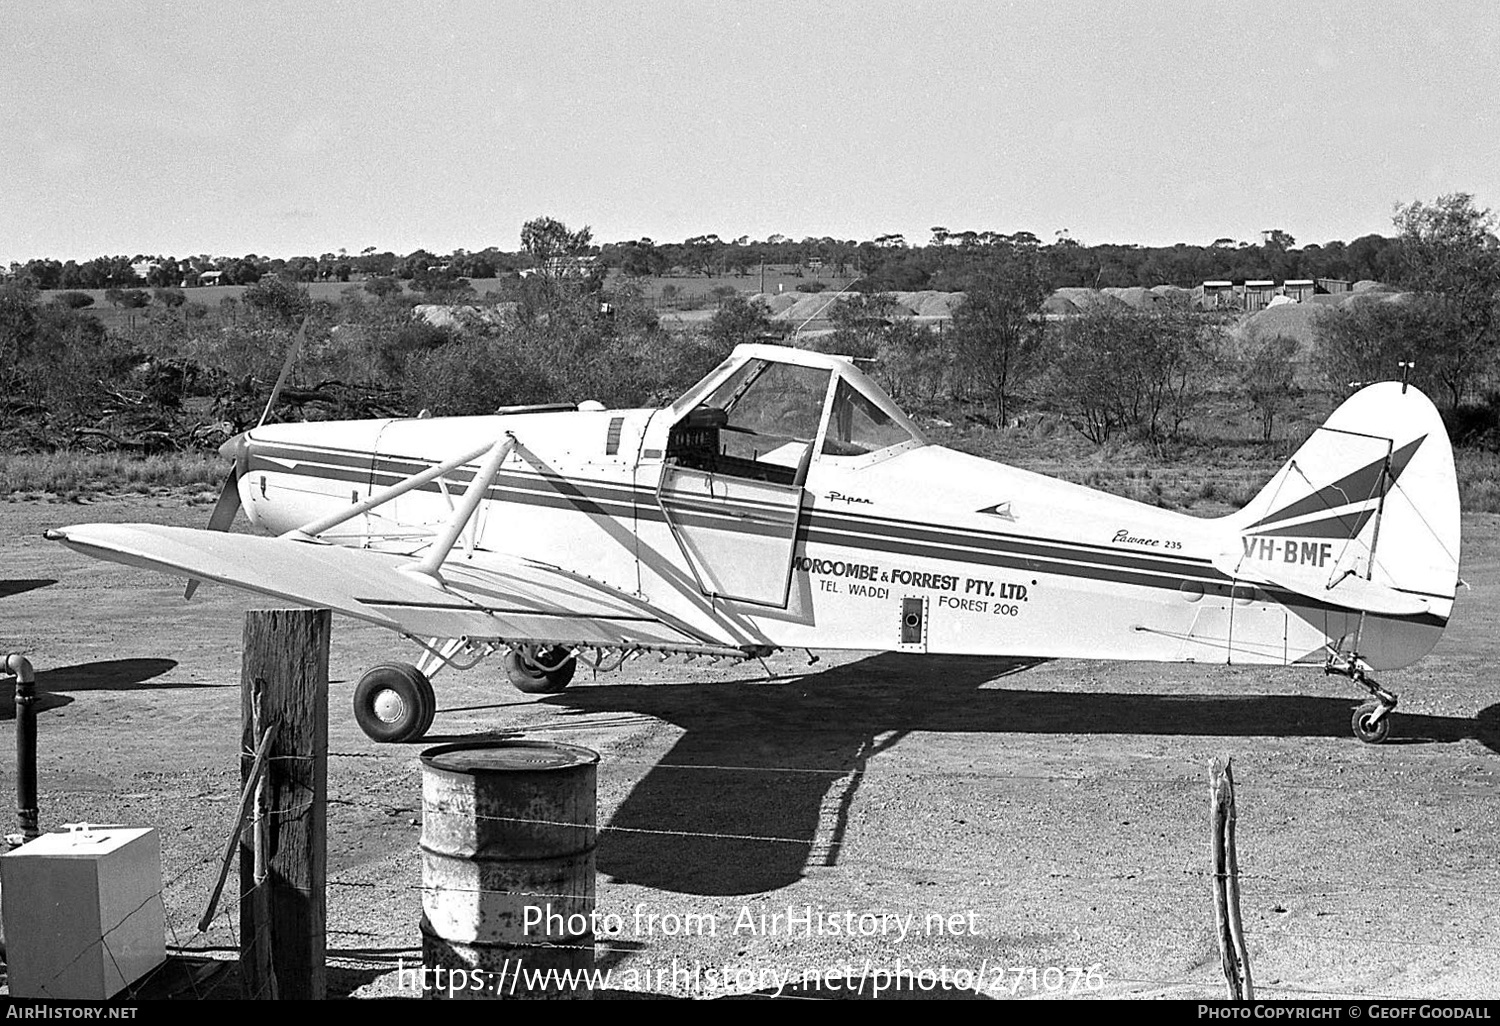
918,548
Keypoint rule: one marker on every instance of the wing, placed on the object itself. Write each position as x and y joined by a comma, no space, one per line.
489,597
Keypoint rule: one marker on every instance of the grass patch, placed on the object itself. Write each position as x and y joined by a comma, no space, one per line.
72,474
1478,480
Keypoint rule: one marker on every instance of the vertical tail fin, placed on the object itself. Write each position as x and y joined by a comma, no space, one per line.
1364,517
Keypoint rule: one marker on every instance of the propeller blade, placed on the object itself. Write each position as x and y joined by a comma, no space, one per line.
286,368
223,515
228,504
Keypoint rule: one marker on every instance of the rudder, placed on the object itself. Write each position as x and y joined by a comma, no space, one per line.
1370,499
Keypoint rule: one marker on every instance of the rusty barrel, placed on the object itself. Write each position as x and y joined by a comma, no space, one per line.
508,843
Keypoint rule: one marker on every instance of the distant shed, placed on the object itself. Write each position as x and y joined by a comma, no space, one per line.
1298,289
1258,294
1215,295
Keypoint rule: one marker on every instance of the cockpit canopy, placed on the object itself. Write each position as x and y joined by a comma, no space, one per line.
767,412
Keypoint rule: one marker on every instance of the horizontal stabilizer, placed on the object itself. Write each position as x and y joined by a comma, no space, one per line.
1347,591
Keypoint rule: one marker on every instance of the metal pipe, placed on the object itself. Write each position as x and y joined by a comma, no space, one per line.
26,801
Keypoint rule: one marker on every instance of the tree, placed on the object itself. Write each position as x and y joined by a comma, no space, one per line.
1278,239
1361,342
275,297
18,322
1449,253
547,238
439,285
912,365
380,286
1266,380
738,320
1117,367
641,259
861,323
1083,378
73,300
997,332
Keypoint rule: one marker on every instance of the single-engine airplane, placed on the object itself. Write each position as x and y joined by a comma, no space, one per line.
786,502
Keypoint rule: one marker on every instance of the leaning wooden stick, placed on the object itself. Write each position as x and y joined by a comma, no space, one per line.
247,795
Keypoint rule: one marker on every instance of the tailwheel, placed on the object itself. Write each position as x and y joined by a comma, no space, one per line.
394,702
1372,723
540,671
1372,720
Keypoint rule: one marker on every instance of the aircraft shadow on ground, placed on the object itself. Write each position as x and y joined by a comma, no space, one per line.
103,675
749,796
20,586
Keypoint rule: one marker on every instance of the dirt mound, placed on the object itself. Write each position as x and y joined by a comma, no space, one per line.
1293,320
908,302
1377,295
808,307
939,304
1086,299
777,302
923,305
1135,296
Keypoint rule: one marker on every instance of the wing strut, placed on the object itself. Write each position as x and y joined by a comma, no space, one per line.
308,532
431,563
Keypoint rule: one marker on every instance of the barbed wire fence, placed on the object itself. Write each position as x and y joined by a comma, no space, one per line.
397,881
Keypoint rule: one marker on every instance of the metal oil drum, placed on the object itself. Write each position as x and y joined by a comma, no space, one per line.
508,838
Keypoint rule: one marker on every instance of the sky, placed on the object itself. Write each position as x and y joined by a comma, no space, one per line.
304,128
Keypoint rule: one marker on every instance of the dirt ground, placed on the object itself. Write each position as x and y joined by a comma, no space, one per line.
1058,810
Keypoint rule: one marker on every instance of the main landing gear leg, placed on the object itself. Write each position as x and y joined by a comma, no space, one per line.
1372,720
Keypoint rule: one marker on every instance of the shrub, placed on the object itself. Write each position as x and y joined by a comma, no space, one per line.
73,300
278,299
380,286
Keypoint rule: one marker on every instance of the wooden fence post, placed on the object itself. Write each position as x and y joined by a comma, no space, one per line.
1226,876
283,862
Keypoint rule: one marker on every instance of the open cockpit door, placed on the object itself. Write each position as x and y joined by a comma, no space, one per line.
731,483
739,454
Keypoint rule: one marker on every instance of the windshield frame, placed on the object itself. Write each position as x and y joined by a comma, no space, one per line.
843,370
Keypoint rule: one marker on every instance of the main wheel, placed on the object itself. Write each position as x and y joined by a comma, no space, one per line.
1368,730
534,680
394,702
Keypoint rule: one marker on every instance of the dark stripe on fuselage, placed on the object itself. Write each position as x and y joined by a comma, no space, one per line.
877,534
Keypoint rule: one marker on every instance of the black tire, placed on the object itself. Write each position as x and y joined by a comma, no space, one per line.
394,702
534,681
1368,732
